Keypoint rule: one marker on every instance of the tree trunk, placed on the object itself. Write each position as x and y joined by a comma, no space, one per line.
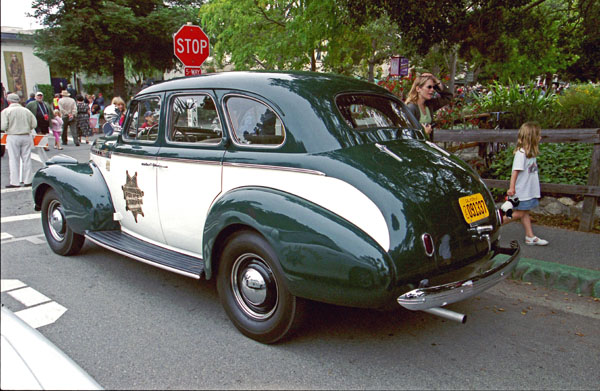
371,71
119,76
453,57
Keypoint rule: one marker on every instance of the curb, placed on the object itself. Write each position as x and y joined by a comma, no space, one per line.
585,282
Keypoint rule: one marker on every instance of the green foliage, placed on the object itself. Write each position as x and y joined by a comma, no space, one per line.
558,163
95,88
96,36
578,107
48,92
523,103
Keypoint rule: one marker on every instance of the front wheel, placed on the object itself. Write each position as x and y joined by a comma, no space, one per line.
251,289
60,237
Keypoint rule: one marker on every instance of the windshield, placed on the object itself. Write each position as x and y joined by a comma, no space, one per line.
366,112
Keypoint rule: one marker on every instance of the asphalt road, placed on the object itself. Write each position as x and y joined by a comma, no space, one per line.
132,326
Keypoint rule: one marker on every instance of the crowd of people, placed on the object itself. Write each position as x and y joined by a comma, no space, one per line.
69,112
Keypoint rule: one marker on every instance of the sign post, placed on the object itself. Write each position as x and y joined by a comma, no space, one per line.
191,47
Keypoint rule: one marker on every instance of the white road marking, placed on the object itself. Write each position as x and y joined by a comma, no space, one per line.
38,314
34,239
35,156
8,285
42,315
6,235
14,189
11,219
29,296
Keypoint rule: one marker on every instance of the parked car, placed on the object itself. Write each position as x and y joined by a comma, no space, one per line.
283,187
31,362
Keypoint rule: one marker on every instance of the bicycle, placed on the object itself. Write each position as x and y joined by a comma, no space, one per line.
488,150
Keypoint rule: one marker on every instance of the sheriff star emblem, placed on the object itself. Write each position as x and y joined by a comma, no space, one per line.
133,196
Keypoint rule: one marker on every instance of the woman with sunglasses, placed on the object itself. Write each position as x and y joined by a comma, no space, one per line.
426,96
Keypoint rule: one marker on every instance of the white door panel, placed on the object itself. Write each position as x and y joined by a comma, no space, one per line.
186,191
133,191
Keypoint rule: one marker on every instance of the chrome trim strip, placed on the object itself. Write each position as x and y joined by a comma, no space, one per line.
441,295
278,168
192,161
158,265
134,156
387,151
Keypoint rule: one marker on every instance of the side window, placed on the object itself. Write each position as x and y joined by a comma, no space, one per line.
194,119
254,122
144,118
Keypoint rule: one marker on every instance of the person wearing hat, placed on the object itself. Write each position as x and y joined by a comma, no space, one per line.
68,110
149,120
18,123
43,114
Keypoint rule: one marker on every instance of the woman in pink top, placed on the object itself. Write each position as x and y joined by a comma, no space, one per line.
56,126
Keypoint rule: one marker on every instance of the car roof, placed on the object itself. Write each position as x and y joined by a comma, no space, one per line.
305,101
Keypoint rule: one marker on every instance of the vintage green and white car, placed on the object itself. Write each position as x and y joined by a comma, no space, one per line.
283,187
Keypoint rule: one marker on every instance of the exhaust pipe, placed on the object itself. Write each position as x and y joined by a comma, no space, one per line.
444,313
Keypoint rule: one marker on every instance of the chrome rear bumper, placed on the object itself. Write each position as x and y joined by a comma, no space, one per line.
438,296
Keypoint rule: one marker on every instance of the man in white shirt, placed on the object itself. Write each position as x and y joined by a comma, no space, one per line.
18,123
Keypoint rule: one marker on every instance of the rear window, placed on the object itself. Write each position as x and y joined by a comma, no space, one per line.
363,112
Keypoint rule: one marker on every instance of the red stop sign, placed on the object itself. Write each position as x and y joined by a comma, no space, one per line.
191,45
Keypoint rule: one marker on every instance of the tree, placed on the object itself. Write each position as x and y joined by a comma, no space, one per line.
584,39
97,36
268,34
516,39
272,34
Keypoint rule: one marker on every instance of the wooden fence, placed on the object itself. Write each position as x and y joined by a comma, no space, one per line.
590,192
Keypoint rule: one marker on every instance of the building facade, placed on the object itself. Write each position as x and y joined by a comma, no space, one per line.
21,70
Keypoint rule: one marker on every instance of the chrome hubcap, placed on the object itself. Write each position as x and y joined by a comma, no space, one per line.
56,221
254,286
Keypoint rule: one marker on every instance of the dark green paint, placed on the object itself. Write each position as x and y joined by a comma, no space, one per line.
323,257
83,193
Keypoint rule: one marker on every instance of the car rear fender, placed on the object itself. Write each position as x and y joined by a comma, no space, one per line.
322,256
83,193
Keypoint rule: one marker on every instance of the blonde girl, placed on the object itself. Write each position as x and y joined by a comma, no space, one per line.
56,124
524,180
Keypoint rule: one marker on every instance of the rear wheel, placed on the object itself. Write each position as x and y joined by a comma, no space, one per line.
251,289
60,237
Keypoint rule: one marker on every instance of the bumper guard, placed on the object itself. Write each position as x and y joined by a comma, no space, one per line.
423,299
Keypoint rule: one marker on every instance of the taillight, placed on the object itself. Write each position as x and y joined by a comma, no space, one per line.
428,244
499,217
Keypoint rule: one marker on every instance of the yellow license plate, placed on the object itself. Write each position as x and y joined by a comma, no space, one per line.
473,207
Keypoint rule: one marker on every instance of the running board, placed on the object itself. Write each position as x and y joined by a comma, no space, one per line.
142,251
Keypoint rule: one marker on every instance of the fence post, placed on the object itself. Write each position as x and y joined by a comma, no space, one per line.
590,202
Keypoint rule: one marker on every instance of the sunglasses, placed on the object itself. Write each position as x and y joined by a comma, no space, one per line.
429,87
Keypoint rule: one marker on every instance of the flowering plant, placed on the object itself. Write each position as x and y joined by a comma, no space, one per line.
398,86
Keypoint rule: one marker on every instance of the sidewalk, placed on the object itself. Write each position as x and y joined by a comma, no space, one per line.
571,262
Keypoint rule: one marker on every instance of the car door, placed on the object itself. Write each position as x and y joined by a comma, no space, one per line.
133,168
190,166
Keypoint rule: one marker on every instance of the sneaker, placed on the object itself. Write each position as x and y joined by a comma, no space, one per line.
535,241
12,186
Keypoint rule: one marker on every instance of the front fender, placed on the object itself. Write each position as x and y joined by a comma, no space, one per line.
83,193
322,256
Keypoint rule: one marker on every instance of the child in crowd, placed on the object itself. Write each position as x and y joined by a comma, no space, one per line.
524,180
56,126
